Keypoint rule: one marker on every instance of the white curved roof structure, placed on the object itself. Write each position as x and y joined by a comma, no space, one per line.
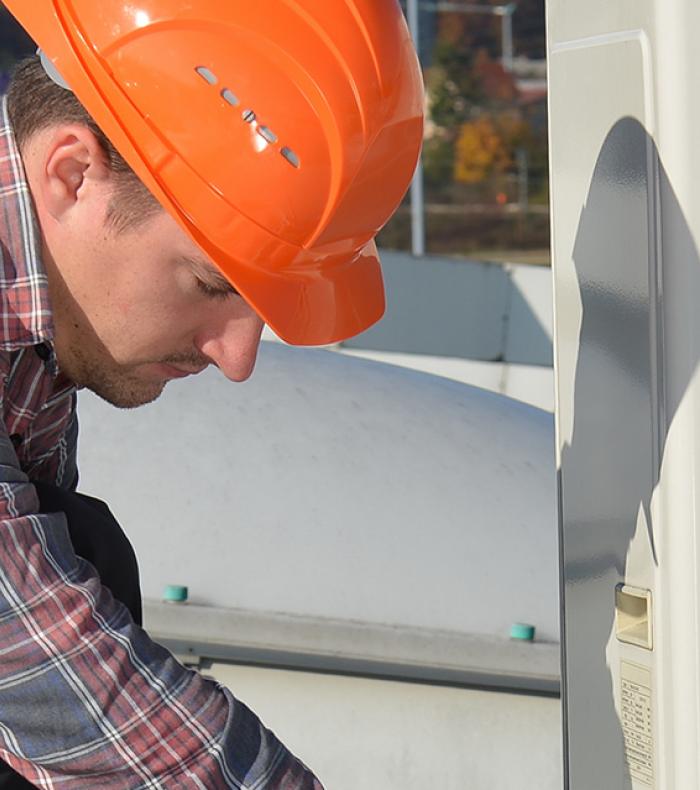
339,513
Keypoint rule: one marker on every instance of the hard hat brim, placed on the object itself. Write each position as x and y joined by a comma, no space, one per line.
313,308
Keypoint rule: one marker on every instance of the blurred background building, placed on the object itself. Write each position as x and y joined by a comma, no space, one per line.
485,155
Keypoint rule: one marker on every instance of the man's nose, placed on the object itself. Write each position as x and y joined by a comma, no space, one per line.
232,343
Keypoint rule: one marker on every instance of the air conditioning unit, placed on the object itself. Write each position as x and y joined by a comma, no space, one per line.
625,170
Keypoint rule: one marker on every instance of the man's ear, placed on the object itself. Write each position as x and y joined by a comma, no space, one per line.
73,166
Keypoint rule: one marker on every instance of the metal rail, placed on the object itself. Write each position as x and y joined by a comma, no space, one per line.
204,633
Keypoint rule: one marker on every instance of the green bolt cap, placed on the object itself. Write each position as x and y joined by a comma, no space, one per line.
522,631
175,593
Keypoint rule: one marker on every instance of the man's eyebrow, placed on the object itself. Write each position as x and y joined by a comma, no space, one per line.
208,273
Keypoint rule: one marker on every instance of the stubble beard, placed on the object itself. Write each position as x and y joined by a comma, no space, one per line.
123,386
125,392
118,385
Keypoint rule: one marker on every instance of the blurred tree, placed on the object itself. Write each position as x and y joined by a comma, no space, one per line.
438,162
453,86
485,140
496,85
463,84
486,147
480,151
453,96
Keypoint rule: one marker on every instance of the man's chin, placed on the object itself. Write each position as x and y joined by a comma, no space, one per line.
127,394
124,386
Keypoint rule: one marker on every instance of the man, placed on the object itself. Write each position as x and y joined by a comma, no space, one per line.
171,175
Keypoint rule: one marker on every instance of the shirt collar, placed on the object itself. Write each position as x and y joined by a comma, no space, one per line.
25,310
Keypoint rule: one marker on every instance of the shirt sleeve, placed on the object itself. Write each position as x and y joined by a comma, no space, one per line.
87,699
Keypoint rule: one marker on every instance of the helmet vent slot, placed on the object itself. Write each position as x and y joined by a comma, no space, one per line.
290,156
207,75
249,116
267,133
230,97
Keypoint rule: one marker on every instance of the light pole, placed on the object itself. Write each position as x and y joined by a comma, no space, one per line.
506,14
417,197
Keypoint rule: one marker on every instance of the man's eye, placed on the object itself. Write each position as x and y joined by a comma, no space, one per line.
212,291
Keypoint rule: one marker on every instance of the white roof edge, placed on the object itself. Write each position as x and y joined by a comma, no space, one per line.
320,644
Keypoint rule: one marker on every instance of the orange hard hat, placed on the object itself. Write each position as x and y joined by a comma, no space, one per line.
281,136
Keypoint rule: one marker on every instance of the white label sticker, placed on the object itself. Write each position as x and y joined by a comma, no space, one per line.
637,722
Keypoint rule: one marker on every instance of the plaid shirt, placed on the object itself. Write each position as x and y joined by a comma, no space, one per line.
87,700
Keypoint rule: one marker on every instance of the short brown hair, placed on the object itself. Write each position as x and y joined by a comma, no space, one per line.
35,102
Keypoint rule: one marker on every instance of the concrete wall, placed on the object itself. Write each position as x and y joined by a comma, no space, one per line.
464,309
531,384
485,324
359,733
